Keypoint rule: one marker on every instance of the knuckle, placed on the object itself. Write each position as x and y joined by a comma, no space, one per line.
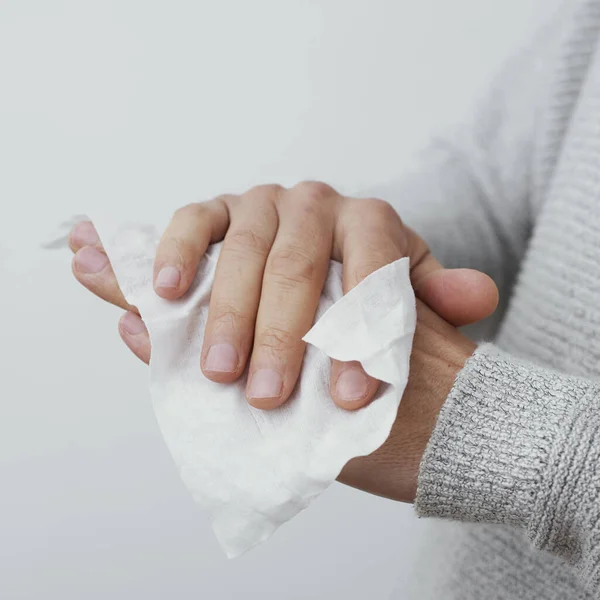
173,250
223,201
278,339
364,269
312,192
292,266
420,248
380,209
269,191
244,241
225,198
188,210
227,317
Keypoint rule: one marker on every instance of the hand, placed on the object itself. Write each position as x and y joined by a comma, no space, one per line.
439,352
271,270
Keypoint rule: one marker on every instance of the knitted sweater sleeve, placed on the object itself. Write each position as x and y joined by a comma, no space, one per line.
519,445
515,444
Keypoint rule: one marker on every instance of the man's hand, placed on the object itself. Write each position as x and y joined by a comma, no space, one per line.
439,352
271,270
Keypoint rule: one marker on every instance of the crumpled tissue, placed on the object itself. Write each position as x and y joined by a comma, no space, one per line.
253,470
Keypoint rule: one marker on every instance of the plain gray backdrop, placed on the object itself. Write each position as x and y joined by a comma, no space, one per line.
146,106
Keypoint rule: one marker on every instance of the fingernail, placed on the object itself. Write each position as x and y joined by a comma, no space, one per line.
89,260
168,277
351,385
265,383
132,324
84,234
222,358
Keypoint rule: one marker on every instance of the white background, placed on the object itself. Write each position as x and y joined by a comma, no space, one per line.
145,106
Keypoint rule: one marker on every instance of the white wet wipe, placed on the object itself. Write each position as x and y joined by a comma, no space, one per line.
253,470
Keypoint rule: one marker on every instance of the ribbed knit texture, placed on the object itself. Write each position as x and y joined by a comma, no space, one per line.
513,465
520,445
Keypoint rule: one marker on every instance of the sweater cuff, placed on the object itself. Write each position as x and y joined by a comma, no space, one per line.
494,453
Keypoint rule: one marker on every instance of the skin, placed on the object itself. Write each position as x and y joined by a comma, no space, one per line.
271,270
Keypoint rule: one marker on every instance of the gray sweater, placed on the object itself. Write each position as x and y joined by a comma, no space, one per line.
512,471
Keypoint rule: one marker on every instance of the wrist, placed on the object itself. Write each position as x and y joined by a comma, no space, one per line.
392,471
433,374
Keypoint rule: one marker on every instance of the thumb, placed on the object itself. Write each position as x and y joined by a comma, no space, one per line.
460,296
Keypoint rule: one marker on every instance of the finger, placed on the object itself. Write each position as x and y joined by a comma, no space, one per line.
292,284
83,234
237,285
369,236
183,244
135,335
351,387
92,269
460,296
